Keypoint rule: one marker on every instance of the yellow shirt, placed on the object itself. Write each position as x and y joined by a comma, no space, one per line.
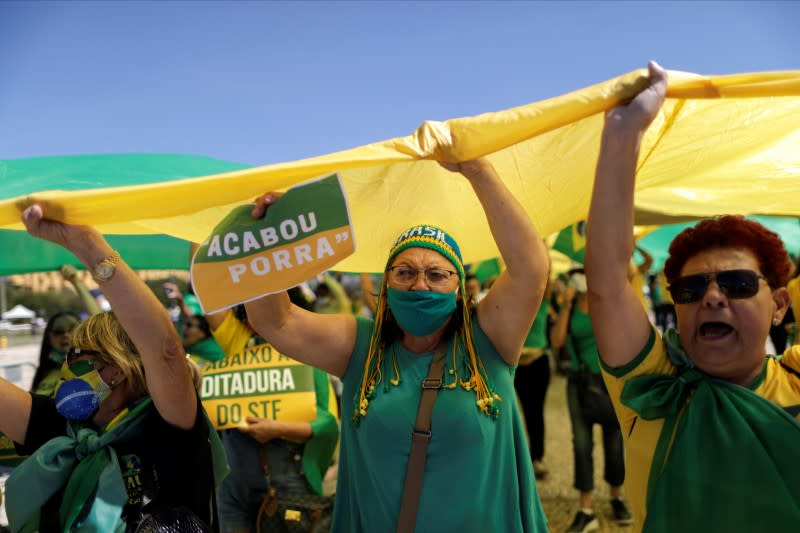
775,383
794,295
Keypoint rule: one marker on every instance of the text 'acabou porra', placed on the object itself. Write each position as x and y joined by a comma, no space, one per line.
233,244
304,233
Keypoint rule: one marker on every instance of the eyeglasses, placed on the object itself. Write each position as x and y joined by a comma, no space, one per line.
406,275
59,331
734,284
189,325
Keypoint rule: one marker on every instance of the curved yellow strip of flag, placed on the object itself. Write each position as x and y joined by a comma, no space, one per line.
722,144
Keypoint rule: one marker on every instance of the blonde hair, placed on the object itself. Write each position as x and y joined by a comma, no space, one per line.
104,334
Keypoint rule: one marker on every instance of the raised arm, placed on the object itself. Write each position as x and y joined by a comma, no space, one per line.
337,291
644,267
508,310
620,324
70,274
138,310
558,334
174,293
322,341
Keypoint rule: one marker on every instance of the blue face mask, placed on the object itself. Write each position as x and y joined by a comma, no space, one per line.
420,312
81,392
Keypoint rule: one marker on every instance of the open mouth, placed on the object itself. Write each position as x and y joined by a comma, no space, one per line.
715,330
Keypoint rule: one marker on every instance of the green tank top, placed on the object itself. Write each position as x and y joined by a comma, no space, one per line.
478,474
537,337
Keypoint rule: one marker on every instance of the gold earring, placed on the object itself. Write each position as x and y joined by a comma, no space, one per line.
775,321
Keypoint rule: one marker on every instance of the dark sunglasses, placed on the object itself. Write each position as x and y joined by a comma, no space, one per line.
81,367
734,284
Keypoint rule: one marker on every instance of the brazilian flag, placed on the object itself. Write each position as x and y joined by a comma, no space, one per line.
571,241
22,177
8,453
486,269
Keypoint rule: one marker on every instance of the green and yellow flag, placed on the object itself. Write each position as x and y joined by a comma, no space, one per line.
571,241
720,144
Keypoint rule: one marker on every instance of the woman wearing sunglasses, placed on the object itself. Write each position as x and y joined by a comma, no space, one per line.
125,439
199,342
55,343
56,337
708,418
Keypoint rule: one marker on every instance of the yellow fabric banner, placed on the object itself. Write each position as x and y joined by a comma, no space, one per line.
722,144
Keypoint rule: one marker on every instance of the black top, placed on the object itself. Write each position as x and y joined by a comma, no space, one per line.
163,464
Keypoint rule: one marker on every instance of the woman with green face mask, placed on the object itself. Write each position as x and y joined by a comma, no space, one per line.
476,449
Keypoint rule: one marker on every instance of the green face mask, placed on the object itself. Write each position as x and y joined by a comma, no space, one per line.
57,356
420,312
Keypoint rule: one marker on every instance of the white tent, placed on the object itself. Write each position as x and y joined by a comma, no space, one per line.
18,311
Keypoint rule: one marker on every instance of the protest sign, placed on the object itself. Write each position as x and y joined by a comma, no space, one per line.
305,232
258,382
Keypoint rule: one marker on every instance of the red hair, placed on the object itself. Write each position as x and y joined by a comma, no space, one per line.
731,231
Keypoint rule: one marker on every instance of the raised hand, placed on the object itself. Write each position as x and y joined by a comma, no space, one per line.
69,236
635,116
171,290
469,169
263,202
69,272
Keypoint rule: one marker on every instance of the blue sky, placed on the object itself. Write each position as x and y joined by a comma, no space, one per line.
263,82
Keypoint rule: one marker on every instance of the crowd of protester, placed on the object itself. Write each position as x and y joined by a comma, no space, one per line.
428,384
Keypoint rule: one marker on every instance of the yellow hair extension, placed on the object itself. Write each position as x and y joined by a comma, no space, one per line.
478,377
372,366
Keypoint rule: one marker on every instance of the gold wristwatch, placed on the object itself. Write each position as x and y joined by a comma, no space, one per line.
104,270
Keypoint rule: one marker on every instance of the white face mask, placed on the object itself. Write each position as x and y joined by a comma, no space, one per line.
579,282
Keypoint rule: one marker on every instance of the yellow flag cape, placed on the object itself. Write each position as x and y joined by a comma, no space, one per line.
721,144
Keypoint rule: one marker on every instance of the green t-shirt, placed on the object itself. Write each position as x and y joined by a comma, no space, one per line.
537,336
581,344
478,474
